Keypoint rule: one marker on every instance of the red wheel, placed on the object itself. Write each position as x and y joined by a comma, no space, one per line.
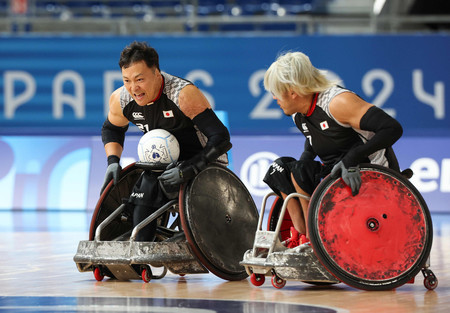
274,215
278,282
377,240
430,282
257,279
98,274
146,274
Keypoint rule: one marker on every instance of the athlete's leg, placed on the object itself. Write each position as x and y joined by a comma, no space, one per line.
296,213
304,204
140,213
146,198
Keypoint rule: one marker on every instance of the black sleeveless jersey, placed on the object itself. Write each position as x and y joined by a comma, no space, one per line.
330,139
165,113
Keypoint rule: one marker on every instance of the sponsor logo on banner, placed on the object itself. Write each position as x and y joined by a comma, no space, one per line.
254,169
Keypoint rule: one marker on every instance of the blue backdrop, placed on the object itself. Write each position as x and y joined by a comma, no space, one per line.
53,86
66,172
61,85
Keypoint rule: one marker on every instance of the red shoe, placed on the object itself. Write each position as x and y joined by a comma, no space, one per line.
294,241
302,239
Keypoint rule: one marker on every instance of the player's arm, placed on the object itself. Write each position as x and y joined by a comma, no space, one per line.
113,137
308,152
195,105
350,109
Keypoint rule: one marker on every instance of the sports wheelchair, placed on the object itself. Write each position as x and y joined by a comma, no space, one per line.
206,227
377,240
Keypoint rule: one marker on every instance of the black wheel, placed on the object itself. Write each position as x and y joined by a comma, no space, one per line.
111,198
377,240
219,219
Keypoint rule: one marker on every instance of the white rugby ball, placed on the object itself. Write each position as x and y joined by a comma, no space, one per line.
158,146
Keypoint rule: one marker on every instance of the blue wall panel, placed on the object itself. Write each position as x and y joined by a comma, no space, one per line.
61,85
55,86
66,173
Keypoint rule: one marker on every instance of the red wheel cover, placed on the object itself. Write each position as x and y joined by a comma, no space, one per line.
376,236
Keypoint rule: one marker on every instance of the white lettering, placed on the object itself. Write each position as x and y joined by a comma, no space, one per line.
12,102
206,79
436,101
76,101
261,110
138,195
109,78
445,175
426,172
386,90
276,168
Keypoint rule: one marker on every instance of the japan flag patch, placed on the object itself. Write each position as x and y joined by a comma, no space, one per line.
168,114
324,125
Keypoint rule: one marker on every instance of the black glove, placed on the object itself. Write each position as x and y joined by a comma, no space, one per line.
112,172
175,175
351,176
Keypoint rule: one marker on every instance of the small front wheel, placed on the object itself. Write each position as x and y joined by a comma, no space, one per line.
278,282
98,274
146,274
257,279
430,282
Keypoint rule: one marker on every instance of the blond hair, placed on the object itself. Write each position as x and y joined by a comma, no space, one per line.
293,71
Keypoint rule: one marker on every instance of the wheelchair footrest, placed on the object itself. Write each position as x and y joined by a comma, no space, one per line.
176,256
265,239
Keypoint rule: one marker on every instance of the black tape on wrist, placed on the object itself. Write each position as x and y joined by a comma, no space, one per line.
113,159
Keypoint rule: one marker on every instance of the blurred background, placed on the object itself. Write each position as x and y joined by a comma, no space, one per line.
59,64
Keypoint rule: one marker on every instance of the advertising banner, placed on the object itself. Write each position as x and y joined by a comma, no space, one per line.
66,173
61,85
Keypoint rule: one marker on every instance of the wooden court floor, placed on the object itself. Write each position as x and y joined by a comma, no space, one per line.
37,274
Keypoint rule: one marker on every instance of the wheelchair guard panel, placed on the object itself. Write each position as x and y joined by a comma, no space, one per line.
377,240
111,198
274,215
218,216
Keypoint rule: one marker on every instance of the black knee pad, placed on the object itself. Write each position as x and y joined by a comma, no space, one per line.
278,176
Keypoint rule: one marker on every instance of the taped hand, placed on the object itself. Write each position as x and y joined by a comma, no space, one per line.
112,172
351,176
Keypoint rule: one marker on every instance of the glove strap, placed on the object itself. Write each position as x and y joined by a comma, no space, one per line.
113,159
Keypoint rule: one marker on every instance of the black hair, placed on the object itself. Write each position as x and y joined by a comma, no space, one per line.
139,51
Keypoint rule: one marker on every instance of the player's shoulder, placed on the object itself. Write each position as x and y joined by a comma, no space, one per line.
174,83
120,97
